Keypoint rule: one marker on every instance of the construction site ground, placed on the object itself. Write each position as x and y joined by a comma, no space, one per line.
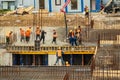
49,21
103,23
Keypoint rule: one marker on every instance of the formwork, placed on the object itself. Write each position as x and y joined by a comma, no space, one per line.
29,55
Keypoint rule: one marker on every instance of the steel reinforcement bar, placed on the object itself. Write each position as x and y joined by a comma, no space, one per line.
51,49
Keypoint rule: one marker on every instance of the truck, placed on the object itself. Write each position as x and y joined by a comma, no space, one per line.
113,6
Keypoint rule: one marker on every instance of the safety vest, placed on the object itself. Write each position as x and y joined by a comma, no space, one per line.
86,9
72,34
55,35
59,53
29,30
7,35
22,32
38,31
27,33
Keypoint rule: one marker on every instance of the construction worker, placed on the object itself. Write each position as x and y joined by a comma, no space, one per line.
54,36
67,63
22,34
43,36
27,35
86,11
8,37
59,56
71,37
38,32
29,29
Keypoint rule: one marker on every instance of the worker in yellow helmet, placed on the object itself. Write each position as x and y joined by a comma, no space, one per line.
8,37
38,32
54,37
59,56
67,63
86,11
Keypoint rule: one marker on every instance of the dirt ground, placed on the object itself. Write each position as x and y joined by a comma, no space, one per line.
50,19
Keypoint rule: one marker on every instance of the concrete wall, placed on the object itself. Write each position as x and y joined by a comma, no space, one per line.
51,60
5,58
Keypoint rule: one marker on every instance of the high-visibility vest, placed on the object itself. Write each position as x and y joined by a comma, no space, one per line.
27,33
59,52
22,32
72,34
37,31
86,9
8,34
54,35
29,30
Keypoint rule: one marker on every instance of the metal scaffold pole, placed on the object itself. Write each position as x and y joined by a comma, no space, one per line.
62,10
66,28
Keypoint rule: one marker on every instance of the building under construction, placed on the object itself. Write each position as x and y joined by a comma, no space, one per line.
96,58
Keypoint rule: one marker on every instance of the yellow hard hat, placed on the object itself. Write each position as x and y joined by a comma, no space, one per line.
70,30
66,62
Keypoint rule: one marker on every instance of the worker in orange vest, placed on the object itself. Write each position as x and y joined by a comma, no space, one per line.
29,29
71,37
59,56
8,36
22,34
54,36
86,11
38,32
27,35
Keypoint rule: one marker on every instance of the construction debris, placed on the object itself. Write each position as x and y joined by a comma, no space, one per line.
21,11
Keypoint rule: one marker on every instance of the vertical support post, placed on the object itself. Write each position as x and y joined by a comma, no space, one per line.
33,60
71,58
46,59
21,60
82,60
98,42
39,60
39,14
66,28
22,2
76,20
14,59
93,64
41,19
34,4
33,25
88,26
